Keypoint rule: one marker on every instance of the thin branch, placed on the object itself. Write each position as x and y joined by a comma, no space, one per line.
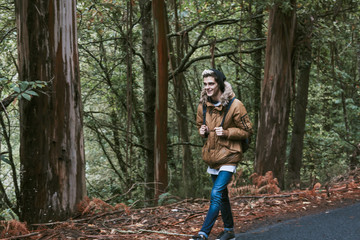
184,143
207,25
130,189
151,231
6,102
24,236
91,43
6,34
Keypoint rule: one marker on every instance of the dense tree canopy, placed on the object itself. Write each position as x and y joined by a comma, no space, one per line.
228,35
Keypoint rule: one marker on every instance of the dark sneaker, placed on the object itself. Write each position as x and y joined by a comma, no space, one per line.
198,237
226,235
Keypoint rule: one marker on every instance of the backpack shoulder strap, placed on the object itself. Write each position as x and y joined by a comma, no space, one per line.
204,114
226,111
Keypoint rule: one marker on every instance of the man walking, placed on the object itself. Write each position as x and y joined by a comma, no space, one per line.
223,120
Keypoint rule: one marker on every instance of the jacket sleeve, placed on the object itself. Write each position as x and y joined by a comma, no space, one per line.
199,116
200,119
243,126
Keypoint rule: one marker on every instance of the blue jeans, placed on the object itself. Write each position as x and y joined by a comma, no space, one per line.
219,202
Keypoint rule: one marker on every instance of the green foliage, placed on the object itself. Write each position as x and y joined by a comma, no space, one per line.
25,89
22,89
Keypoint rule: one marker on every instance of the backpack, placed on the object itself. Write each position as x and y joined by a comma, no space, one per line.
245,143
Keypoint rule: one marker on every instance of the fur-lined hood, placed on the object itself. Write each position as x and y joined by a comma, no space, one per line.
225,98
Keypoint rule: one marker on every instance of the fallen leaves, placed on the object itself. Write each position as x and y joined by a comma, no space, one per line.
100,220
12,228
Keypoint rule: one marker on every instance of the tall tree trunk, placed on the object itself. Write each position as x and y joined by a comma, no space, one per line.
257,61
357,34
149,79
184,136
275,96
181,107
129,94
297,141
161,53
51,136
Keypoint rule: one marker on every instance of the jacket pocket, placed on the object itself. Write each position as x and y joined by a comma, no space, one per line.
233,145
224,155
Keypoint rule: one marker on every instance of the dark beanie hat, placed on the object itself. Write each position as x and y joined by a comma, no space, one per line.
219,74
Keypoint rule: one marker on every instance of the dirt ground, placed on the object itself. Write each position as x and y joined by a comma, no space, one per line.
181,220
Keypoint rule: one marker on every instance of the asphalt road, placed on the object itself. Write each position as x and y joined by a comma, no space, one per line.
338,224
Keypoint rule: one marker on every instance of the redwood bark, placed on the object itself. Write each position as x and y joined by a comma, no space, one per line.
297,141
257,58
275,95
129,95
149,80
51,136
160,148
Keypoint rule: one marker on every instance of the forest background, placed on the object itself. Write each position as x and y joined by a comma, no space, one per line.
117,59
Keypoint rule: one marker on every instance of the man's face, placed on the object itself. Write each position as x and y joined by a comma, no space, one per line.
211,87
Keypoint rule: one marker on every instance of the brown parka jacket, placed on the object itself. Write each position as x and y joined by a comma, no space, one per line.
218,151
